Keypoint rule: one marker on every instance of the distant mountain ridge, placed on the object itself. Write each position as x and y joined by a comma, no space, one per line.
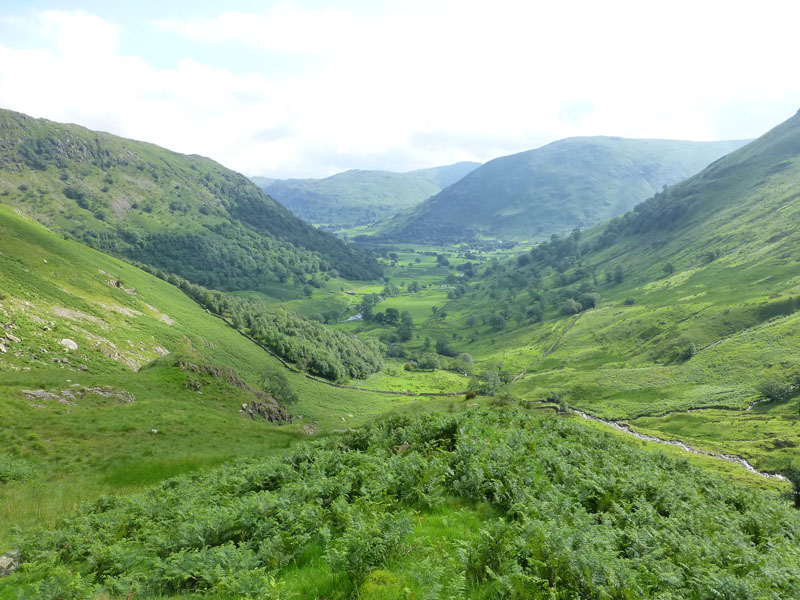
571,183
359,197
186,214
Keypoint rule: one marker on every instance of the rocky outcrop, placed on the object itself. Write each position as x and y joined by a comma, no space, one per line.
267,408
71,396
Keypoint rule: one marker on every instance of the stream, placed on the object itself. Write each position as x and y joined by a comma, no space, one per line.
732,458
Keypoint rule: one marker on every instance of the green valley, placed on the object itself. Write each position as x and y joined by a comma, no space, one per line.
112,379
357,197
446,400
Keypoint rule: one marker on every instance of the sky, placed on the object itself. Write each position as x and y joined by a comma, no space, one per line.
309,89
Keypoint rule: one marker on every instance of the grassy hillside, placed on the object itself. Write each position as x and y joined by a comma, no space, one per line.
95,354
185,214
360,197
677,317
490,504
572,183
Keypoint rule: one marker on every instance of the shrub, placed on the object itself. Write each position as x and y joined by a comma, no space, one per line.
774,390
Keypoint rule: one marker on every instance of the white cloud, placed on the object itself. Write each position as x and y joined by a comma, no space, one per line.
422,84
79,34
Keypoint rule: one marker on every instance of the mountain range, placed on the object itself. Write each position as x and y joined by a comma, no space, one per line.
571,183
360,197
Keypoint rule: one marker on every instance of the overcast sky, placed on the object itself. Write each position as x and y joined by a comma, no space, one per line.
307,89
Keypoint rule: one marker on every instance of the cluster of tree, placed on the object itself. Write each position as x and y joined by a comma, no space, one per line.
391,317
311,346
660,212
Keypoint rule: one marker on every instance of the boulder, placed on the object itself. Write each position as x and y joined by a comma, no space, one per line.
69,344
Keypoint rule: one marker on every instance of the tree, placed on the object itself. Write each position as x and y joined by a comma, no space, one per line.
463,363
443,348
570,307
619,274
428,361
490,382
406,318
367,304
497,322
773,390
392,316
534,313
277,385
669,269
404,332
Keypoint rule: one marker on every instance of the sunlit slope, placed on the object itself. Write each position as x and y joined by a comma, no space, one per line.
186,214
688,302
576,182
112,379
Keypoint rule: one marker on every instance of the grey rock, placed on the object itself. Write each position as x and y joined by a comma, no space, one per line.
9,563
69,344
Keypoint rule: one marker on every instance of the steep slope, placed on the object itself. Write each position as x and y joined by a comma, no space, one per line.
96,354
360,197
572,183
687,303
186,214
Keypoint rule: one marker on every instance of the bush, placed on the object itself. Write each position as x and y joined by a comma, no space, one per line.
629,302
570,307
774,390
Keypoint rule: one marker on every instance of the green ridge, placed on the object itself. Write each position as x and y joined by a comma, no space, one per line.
186,214
576,182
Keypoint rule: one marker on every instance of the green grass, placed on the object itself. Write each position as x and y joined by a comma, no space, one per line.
55,289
